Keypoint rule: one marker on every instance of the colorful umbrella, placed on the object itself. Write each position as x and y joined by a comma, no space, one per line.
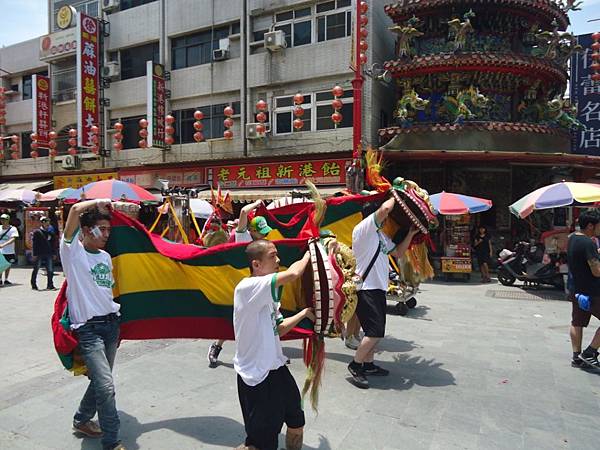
113,189
56,194
448,203
18,195
556,195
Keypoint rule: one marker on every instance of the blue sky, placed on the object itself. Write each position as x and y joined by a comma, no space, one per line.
27,19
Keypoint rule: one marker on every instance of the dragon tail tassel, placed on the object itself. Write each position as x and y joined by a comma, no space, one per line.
314,358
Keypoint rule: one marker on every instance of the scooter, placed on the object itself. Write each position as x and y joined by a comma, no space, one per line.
402,292
529,263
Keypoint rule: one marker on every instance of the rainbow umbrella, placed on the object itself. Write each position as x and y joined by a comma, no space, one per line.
56,194
114,189
556,195
448,203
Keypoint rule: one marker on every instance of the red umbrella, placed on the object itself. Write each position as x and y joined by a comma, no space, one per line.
114,189
449,203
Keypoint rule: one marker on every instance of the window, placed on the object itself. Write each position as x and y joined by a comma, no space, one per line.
213,122
131,128
196,49
64,80
297,26
26,146
27,85
333,25
133,60
128,4
317,112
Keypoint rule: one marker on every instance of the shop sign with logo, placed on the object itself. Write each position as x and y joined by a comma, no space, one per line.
77,181
58,45
293,173
88,78
156,104
42,108
148,178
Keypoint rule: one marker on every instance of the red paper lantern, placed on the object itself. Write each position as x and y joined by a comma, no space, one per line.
336,117
364,20
14,155
261,105
34,136
336,104
143,133
337,91
169,119
228,122
14,138
198,126
298,99
298,124
364,7
363,58
260,128
364,45
228,134
34,154
261,117
169,129
94,129
198,115
72,151
596,36
595,66
118,136
34,145
119,126
73,132
53,153
2,121
118,146
364,32
298,111
595,56
198,137
169,140
142,143
72,142
596,76
143,123
94,139
52,144
228,111
596,46
52,135
14,148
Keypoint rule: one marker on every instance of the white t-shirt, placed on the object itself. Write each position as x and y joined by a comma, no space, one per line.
242,236
255,319
366,238
11,233
90,281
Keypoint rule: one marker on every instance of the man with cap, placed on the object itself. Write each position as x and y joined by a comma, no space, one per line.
8,236
245,232
42,249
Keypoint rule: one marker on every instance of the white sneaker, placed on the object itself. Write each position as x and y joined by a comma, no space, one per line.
352,343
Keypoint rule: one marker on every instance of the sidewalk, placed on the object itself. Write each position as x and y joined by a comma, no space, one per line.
471,369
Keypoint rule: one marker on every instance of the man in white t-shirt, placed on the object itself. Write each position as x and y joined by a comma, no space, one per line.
243,233
94,316
8,236
268,394
371,247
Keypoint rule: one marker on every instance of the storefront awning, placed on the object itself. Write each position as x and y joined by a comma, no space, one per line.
29,185
250,195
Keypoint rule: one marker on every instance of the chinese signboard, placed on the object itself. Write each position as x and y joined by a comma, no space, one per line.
586,94
456,265
77,181
88,78
42,108
185,178
156,104
293,173
58,45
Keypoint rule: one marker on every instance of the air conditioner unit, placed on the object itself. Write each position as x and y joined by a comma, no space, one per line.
111,70
275,40
251,132
71,162
110,5
220,54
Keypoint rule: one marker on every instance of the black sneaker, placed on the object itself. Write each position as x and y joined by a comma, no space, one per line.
358,376
35,288
590,361
213,355
577,363
6,282
372,370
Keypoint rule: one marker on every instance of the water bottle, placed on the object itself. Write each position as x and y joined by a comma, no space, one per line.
583,301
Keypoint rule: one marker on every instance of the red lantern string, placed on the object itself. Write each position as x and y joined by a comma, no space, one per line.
261,117
14,147
298,112
336,104
198,126
72,142
169,130
118,136
2,107
363,44
228,122
595,66
143,133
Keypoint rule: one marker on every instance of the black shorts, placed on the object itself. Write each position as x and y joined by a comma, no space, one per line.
580,317
268,405
371,312
12,258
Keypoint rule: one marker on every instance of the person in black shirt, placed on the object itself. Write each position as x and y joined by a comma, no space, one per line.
43,252
584,267
483,251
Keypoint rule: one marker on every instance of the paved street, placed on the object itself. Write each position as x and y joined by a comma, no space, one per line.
471,369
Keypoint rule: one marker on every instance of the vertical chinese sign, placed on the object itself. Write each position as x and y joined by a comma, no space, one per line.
586,94
42,108
156,102
88,79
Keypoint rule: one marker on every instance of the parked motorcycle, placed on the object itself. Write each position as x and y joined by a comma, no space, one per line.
530,264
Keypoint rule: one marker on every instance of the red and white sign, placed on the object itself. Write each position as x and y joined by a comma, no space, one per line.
58,45
88,78
42,108
188,177
156,89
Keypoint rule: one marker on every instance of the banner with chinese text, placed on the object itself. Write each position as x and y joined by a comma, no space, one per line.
585,93
77,181
156,104
42,108
188,177
88,78
293,173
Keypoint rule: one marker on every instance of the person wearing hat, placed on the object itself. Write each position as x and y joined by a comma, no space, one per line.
8,236
42,249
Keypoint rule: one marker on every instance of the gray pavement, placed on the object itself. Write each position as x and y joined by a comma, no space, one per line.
473,367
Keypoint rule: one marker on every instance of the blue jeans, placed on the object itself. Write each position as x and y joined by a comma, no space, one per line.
49,264
98,348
